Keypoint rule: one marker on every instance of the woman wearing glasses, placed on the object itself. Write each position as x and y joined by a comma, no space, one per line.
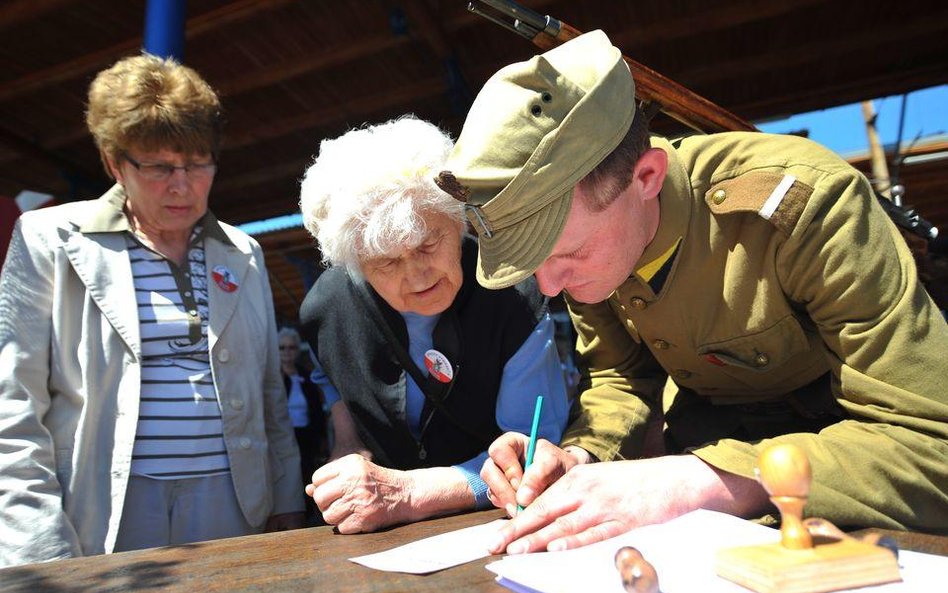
140,392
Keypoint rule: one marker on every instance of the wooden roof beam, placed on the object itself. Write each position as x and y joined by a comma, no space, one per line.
711,18
82,65
271,74
797,55
328,115
14,12
32,150
260,78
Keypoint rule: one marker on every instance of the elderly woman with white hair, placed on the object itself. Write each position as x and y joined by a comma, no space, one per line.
423,367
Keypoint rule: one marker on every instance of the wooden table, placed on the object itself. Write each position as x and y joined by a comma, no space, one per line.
302,561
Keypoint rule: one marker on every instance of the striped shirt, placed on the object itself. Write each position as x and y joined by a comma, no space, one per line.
180,433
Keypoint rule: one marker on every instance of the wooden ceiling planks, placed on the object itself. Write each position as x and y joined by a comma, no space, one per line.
294,72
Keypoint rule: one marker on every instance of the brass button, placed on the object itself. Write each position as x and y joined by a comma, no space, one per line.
719,196
762,360
660,344
682,373
638,303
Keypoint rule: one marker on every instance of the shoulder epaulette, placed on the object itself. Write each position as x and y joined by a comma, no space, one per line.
777,197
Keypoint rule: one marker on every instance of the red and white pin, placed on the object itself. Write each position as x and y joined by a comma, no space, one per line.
224,278
439,366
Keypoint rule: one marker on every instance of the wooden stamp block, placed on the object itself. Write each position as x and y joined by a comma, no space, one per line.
806,560
827,566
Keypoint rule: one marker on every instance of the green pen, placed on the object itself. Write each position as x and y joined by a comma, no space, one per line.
533,437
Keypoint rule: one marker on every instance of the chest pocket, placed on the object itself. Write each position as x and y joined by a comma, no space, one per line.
760,352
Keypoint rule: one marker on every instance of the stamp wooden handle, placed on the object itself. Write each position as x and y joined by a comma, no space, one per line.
784,471
638,576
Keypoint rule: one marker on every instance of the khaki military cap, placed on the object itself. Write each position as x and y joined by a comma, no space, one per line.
534,131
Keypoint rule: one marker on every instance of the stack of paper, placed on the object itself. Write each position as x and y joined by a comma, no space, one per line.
682,552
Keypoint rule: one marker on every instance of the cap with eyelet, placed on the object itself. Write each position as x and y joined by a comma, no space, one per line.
534,131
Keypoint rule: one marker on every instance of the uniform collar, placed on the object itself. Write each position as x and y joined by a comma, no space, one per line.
108,216
675,203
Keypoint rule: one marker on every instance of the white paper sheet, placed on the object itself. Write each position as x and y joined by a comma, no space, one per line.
682,552
437,552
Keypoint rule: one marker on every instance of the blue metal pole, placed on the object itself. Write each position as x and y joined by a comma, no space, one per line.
164,28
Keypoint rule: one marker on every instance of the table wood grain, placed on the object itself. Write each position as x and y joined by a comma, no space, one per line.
301,561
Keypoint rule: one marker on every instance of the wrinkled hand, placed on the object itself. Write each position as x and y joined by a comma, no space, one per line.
507,483
357,495
350,447
593,502
285,522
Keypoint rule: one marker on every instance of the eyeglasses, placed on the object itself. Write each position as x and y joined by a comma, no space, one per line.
163,171
289,348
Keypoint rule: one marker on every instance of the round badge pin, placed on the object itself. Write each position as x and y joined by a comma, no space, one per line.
224,278
439,366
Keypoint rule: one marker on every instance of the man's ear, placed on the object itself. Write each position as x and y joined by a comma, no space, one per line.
649,172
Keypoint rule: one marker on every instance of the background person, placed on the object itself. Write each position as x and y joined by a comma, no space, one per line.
399,301
748,286
140,395
305,403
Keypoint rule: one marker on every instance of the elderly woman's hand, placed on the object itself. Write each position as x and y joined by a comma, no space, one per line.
357,495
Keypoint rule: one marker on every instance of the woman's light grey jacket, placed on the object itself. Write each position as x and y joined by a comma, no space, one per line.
70,356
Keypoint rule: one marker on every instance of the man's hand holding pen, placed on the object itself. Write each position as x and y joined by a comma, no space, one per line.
508,483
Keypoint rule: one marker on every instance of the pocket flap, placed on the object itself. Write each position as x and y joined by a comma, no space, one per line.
761,351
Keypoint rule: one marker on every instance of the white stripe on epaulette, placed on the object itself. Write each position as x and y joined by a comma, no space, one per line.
776,196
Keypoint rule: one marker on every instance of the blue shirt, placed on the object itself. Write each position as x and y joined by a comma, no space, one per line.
533,370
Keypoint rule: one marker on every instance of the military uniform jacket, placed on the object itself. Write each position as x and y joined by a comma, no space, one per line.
776,283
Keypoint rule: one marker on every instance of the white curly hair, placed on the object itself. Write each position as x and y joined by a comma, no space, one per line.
365,193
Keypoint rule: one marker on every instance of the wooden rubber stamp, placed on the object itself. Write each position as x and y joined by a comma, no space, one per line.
813,556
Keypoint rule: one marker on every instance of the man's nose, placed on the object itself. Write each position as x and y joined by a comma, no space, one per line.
550,280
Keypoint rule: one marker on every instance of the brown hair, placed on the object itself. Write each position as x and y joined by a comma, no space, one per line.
153,103
612,176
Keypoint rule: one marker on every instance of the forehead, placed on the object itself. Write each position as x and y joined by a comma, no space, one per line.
435,225
581,226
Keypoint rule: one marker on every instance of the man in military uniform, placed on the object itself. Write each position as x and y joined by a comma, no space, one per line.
735,290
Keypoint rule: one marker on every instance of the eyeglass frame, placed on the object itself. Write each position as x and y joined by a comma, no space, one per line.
166,170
